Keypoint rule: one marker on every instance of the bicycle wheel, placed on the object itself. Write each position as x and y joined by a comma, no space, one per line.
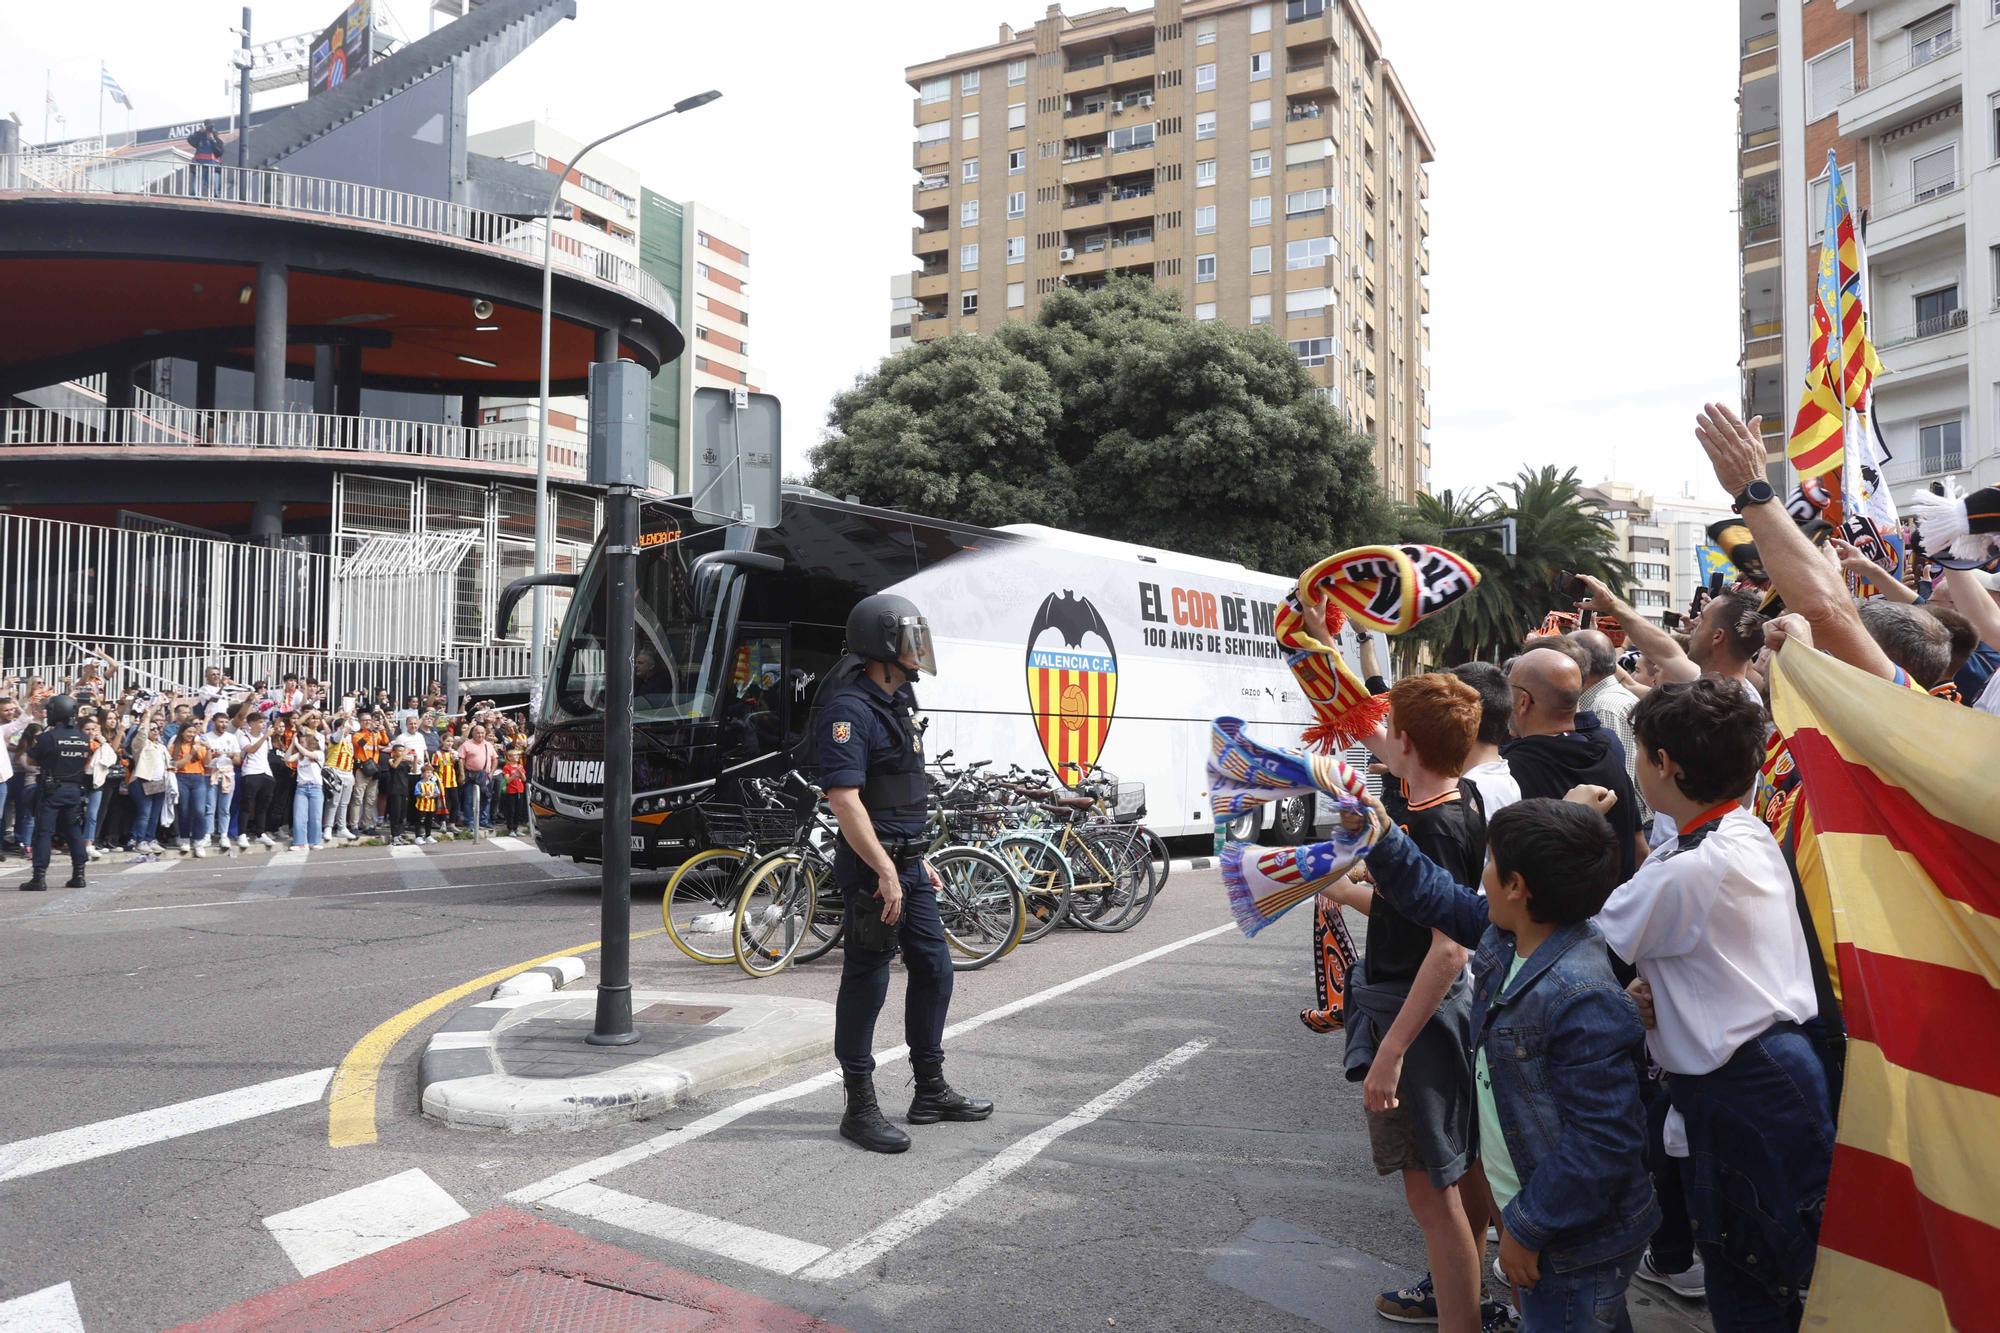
771,913
829,914
1044,876
699,905
1158,858
1112,877
980,905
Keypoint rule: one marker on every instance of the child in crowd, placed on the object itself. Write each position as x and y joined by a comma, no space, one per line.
514,791
428,803
1561,1129
1711,924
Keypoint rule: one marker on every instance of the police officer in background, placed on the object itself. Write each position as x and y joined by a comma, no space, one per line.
61,752
871,762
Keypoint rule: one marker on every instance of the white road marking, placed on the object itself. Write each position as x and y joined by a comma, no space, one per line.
152,867
345,1226
857,1254
50,1310
404,850
746,1245
514,844
278,877
598,1167
316,897
526,853
27,1157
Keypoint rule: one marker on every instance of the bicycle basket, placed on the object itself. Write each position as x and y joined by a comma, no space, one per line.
729,825
1130,802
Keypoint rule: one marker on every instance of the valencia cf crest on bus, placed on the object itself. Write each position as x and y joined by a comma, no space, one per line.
1072,682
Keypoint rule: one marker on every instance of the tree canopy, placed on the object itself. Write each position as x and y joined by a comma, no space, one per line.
1113,413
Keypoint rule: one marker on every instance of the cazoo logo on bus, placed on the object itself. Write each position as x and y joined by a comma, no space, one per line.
578,772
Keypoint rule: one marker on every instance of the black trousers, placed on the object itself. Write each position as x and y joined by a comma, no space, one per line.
61,808
253,794
396,795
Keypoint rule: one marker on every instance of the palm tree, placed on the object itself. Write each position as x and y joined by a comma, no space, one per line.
1556,528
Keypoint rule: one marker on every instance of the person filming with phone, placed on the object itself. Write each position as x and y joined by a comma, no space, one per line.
871,762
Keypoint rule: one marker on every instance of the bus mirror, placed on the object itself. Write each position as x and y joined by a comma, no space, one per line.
511,596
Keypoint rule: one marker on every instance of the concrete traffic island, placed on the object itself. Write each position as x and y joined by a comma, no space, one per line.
518,1062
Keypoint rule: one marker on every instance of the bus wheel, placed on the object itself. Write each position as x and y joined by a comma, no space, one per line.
1292,821
1245,827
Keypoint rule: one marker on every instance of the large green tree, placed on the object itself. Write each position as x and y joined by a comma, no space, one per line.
1556,529
1112,413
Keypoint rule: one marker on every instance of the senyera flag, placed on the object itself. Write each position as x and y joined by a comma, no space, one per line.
1899,789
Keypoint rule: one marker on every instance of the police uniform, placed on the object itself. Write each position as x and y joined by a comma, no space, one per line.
62,753
868,738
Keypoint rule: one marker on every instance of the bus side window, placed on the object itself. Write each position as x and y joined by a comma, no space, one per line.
815,651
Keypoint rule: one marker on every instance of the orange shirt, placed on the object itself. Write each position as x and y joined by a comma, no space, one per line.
190,758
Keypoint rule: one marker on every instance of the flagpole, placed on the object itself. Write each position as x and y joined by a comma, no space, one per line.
48,100
1830,236
100,106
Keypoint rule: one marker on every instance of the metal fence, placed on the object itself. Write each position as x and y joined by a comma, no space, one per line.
91,173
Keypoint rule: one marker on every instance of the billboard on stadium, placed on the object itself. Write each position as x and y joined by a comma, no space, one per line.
344,49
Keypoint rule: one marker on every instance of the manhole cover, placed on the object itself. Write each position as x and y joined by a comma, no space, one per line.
688,1015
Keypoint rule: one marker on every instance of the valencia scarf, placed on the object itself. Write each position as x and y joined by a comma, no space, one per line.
1383,588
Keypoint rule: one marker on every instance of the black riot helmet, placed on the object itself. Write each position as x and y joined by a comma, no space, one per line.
887,627
61,711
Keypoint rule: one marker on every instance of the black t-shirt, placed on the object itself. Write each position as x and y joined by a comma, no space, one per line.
1450,830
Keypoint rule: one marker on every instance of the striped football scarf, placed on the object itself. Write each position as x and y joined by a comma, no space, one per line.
1383,588
1265,883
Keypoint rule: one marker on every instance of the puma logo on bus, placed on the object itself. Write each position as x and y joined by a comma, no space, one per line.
1072,681
580,772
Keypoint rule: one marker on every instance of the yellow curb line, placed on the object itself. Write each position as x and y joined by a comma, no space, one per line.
350,1119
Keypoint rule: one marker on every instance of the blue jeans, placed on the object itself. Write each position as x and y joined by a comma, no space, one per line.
191,814
308,799
91,805
864,977
145,812
1583,1300
215,816
28,797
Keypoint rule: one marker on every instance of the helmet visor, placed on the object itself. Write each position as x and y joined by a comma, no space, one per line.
913,643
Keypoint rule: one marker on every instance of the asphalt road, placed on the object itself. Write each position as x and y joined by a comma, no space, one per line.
1227,1187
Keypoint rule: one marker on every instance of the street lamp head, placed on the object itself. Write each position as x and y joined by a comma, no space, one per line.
699,99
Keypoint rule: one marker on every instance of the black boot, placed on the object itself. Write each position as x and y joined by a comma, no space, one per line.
35,885
864,1122
75,881
936,1099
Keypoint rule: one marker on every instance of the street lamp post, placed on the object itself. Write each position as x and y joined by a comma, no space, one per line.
538,657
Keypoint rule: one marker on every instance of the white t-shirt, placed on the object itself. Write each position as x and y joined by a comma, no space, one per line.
1714,928
8,732
256,763
1989,698
405,741
309,765
223,751
1496,784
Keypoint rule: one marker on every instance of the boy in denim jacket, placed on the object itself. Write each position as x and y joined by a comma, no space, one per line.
1562,1132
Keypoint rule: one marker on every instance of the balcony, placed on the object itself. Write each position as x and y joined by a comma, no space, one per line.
926,325
1306,122
927,285
1925,349
1083,75
1086,210
1764,344
931,193
927,155
1952,321
930,240
1908,217
1133,110
1900,88
1319,77
1314,31
1130,205
1133,65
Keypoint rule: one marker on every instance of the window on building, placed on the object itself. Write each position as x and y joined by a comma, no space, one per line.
968,170
1204,220
1932,36
1134,136
1935,173
1204,310
1309,252
1204,78
936,132
1939,444
968,257
1204,125
1937,310
968,82
1829,80
701,270
1260,165
1204,172
1993,112
1312,351
1017,204
1994,255
1260,259
1260,115
1300,202
1017,116
1017,295
700,363
1260,210
968,126
1297,11
1204,268
1260,18
1017,249
1260,306
1204,32
1307,301
1260,65
1017,161
1017,73
936,90
968,303
968,212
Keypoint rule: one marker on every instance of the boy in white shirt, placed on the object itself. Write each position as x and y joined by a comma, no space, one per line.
1711,922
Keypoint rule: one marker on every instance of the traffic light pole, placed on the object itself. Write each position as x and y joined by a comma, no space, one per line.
621,571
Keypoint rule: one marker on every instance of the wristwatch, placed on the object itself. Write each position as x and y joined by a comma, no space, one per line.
1756,493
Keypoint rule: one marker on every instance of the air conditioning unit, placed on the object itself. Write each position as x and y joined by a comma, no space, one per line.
1145,99
1066,254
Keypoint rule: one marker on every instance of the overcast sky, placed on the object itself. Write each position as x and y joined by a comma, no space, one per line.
1583,241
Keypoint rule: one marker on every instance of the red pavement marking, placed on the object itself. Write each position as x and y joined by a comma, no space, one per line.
505,1271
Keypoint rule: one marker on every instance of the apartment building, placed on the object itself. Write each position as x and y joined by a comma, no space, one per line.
901,303
1907,93
1262,160
1644,541
699,255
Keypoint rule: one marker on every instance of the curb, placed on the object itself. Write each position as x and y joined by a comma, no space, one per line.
1195,863
559,1083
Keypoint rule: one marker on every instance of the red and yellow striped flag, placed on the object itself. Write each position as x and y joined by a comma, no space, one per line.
1900,795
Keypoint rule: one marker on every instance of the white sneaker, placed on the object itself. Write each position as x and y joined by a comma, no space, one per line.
95,853
243,842
298,847
200,848
184,846
1691,1285
265,838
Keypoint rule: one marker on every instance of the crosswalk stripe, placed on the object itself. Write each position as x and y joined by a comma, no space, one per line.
279,877
152,867
731,1240
345,1226
514,844
528,854
416,870
50,1310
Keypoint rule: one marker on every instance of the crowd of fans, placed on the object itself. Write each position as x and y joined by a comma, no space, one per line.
234,768
1637,1074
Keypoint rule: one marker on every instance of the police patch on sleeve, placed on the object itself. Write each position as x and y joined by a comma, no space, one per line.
842,731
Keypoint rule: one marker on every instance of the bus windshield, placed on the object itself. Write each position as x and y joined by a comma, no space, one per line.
678,637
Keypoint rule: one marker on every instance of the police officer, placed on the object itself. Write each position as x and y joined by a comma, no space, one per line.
61,752
871,760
